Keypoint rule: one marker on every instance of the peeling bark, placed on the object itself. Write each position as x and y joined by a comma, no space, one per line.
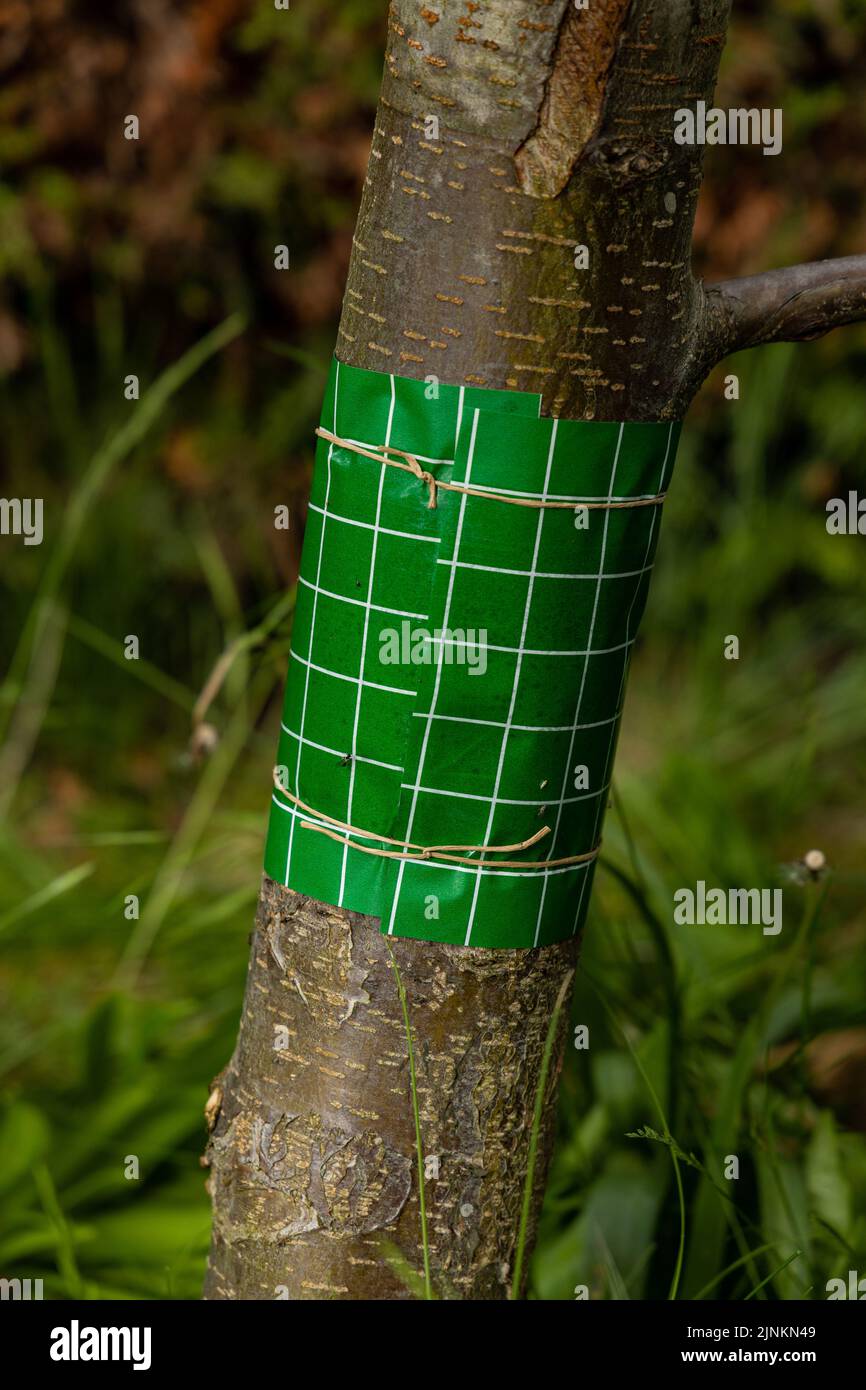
574,98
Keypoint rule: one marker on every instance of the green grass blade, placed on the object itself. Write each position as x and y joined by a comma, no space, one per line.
64,883
729,1269
671,1143
534,1136
416,1115
770,1277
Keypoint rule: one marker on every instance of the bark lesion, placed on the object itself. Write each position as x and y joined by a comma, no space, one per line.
574,97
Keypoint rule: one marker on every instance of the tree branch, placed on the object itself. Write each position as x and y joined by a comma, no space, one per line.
790,305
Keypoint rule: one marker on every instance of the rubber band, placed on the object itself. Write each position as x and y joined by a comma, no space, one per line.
434,484
421,852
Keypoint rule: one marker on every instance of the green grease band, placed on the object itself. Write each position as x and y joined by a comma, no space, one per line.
457,673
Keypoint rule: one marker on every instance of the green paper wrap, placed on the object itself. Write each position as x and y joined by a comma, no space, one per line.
457,674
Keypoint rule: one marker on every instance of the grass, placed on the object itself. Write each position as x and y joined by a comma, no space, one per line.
416,1116
535,1135
668,1140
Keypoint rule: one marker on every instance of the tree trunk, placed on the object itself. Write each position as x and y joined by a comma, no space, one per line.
509,133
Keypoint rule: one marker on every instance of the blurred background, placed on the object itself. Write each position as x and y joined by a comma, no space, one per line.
122,258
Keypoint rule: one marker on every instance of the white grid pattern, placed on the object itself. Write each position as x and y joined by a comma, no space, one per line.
520,728
520,652
359,602
576,502
505,800
368,525
567,772
366,632
338,752
426,738
646,566
350,680
445,643
540,574
515,683
312,631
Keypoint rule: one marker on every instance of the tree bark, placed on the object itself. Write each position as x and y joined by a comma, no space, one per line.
464,249
555,131
313,1153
